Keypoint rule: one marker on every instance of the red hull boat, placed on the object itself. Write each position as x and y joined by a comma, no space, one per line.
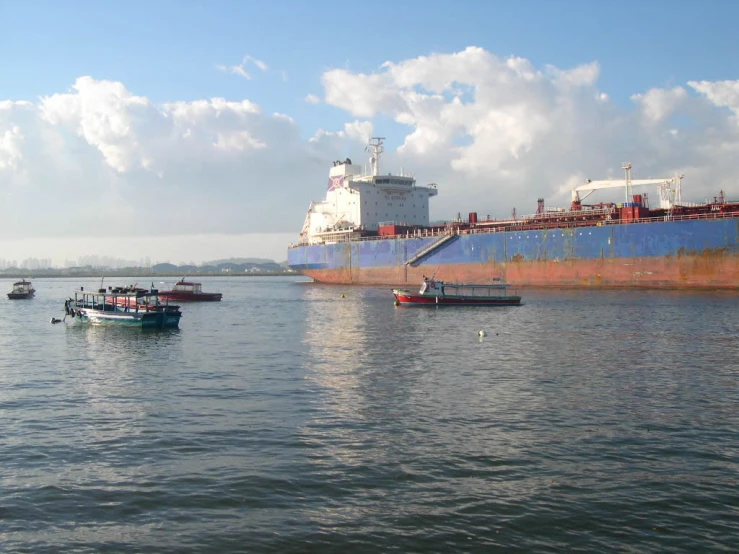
439,293
186,291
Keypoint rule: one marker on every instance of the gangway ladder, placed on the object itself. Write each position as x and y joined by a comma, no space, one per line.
430,248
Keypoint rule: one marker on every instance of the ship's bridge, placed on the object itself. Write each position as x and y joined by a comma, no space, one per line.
357,202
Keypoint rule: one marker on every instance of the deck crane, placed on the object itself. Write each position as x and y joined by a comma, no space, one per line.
669,188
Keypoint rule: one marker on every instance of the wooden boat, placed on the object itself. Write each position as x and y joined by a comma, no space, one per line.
439,293
127,306
21,290
187,291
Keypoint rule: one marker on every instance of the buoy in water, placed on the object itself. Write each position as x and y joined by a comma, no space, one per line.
397,303
481,333
343,296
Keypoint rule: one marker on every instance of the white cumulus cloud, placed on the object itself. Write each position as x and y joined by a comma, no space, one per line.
102,160
721,93
657,104
494,132
11,142
498,132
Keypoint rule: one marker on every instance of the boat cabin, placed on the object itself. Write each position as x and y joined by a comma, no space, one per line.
431,287
185,286
22,287
117,300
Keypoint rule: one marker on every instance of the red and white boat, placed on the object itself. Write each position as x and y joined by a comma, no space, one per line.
439,293
187,291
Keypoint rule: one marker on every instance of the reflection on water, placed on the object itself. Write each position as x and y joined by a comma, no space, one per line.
123,340
334,334
119,349
397,387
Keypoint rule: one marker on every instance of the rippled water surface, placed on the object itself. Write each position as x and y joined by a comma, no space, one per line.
289,419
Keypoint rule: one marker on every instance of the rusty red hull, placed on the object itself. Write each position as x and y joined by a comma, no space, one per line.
705,271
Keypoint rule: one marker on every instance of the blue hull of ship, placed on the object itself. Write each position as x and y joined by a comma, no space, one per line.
691,253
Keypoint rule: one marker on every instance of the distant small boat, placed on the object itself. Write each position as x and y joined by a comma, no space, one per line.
439,293
187,291
22,289
127,306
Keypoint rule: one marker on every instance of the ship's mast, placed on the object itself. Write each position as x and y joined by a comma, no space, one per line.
678,179
375,146
627,168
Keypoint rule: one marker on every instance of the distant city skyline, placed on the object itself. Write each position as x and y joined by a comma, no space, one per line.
112,263
174,250
92,261
188,131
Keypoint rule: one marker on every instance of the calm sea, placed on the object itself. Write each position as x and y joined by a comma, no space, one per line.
288,418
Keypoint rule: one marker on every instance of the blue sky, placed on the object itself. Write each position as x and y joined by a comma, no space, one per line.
169,51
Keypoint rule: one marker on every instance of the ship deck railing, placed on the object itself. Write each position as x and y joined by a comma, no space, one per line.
528,225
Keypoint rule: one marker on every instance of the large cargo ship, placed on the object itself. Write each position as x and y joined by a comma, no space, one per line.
374,229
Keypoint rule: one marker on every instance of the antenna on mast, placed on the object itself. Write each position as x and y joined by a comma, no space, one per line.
375,146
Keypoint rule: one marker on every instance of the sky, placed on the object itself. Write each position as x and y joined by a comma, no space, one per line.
187,131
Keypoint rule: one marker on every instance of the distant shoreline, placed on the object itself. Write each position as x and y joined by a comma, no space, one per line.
44,273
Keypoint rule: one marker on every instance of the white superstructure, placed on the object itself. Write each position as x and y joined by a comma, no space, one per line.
358,203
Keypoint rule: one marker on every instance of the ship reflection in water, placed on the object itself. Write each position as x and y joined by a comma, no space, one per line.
394,389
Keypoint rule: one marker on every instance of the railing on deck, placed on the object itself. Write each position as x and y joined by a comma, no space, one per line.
534,226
